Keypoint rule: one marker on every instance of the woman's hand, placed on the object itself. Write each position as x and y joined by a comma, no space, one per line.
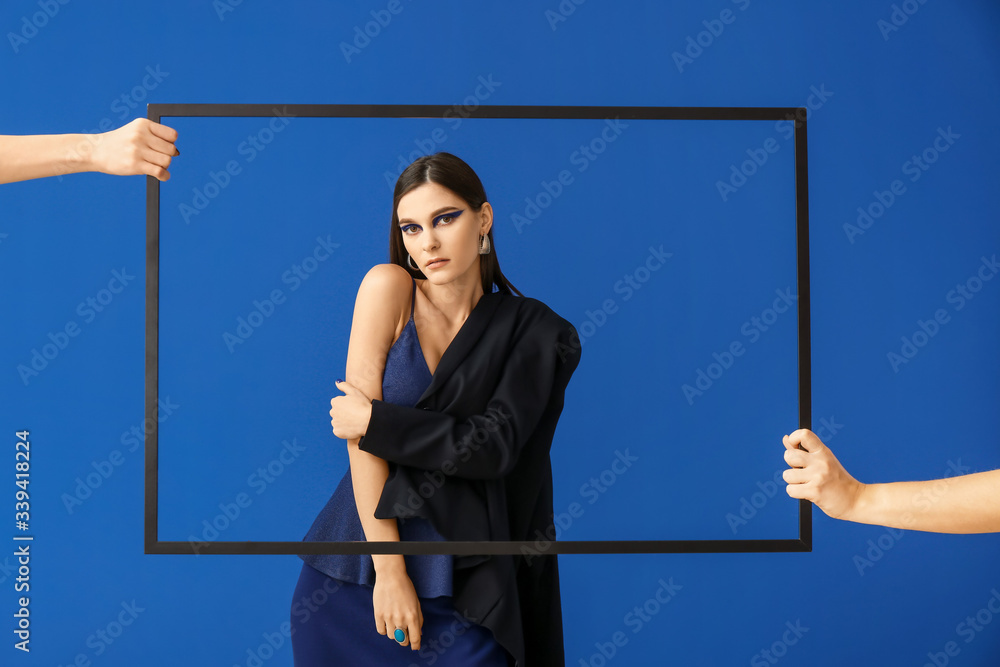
397,606
350,414
817,475
141,147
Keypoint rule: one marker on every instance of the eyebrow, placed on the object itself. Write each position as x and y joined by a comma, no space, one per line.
434,215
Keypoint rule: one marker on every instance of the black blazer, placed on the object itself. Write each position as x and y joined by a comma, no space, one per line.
472,457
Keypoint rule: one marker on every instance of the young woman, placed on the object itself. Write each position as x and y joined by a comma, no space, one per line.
452,395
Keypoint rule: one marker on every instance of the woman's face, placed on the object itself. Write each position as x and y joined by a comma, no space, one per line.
437,223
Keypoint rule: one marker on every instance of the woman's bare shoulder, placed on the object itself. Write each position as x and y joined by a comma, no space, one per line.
387,277
384,293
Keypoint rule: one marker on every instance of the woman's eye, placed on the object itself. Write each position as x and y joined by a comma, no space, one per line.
450,217
444,219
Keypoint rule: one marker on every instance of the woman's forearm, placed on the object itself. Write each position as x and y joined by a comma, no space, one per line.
964,504
368,473
26,157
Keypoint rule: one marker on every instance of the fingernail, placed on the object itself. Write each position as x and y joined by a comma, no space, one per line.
339,381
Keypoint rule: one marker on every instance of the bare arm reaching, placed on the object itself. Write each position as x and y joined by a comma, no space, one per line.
962,504
141,147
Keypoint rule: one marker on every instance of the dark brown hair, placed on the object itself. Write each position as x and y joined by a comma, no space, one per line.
453,173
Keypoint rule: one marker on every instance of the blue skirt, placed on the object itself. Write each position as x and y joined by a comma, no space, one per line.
333,623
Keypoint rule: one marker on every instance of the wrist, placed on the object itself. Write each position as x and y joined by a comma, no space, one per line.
80,154
389,565
861,503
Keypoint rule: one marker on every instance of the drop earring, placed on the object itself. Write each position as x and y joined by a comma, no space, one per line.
484,245
409,260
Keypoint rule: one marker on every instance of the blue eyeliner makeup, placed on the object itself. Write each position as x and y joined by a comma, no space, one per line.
453,214
450,214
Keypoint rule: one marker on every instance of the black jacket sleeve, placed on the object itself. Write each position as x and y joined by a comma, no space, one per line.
480,446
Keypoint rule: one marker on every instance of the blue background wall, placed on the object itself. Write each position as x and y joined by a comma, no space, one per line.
865,595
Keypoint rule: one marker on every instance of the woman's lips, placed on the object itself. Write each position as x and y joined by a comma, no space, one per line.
437,264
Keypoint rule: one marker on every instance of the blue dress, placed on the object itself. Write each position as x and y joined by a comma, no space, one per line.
332,612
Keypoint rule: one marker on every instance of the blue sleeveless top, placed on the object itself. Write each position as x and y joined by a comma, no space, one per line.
405,378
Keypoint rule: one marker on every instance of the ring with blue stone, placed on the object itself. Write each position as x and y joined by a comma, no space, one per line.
399,635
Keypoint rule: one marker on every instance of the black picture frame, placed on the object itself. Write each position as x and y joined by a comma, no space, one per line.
152,543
